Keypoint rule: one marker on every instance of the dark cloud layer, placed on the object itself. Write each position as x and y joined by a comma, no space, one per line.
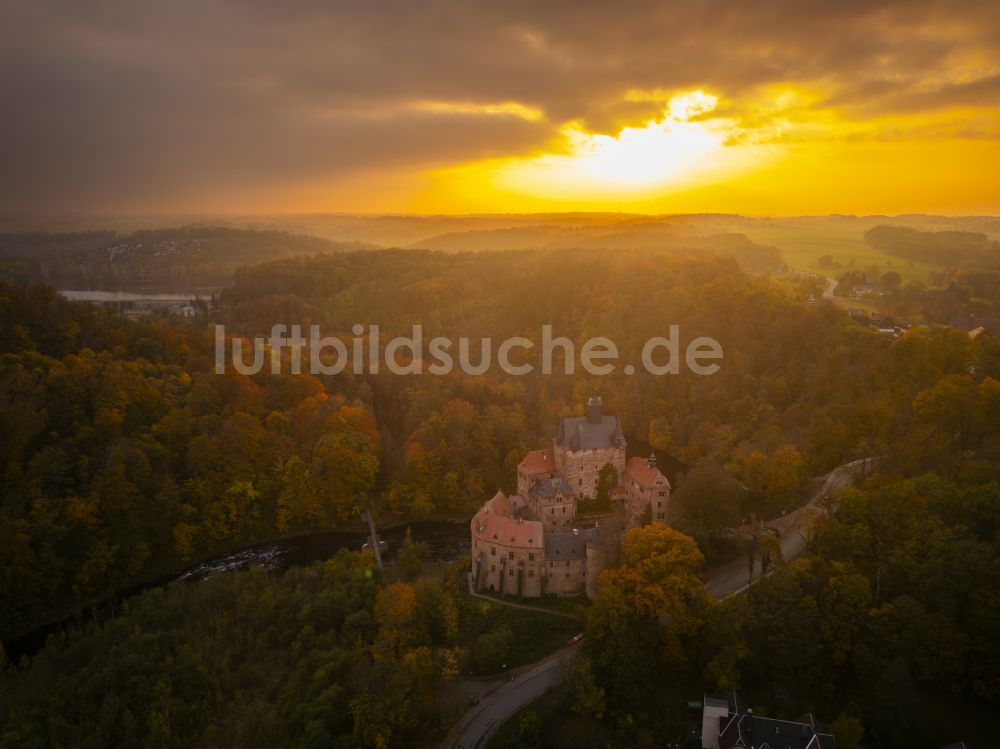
118,105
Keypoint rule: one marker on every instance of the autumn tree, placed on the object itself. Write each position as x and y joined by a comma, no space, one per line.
646,609
706,502
410,559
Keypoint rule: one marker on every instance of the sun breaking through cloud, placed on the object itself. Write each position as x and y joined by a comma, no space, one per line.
739,106
662,151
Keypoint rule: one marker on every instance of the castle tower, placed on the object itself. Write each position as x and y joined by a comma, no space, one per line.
595,410
584,445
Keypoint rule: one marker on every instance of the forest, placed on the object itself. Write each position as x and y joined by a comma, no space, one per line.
125,456
191,259
885,629
339,654
970,273
945,247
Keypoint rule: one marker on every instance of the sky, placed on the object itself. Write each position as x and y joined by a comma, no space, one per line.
456,106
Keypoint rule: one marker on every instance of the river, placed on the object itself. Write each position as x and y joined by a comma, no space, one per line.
445,542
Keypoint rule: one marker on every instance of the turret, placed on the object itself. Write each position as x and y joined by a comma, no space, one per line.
595,412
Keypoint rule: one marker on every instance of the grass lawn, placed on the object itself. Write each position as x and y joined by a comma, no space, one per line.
573,605
534,634
595,506
801,246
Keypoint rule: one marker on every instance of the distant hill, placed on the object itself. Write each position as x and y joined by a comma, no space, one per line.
650,235
194,255
944,247
181,259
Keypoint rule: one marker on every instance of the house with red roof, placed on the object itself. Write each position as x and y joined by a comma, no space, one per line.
644,488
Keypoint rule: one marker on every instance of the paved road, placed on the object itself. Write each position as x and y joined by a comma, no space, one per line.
478,725
794,527
481,722
831,284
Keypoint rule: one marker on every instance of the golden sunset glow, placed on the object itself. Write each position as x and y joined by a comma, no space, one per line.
466,373
662,151
744,108
776,151
505,108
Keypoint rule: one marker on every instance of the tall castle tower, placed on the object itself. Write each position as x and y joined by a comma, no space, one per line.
585,444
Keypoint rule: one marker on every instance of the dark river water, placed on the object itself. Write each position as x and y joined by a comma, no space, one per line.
445,542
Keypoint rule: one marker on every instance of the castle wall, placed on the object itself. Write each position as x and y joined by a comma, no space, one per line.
565,578
595,564
557,514
581,468
655,497
659,502
507,569
519,567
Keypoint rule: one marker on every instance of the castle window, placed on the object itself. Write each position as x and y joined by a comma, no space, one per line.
493,551
531,556
510,554
493,568
531,573
512,572
567,563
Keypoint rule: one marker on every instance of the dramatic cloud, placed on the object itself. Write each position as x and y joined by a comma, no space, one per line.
221,105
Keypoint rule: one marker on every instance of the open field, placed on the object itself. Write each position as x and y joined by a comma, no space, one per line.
802,245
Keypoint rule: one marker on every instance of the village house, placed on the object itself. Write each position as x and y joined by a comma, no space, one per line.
869,289
727,723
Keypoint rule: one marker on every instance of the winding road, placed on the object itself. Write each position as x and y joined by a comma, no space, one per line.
481,722
478,724
831,285
794,527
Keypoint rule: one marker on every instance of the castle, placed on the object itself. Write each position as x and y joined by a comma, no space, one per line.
528,544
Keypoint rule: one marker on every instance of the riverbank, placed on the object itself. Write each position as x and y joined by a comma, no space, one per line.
446,541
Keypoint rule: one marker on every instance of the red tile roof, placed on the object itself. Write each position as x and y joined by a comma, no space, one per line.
642,473
536,462
493,524
501,504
